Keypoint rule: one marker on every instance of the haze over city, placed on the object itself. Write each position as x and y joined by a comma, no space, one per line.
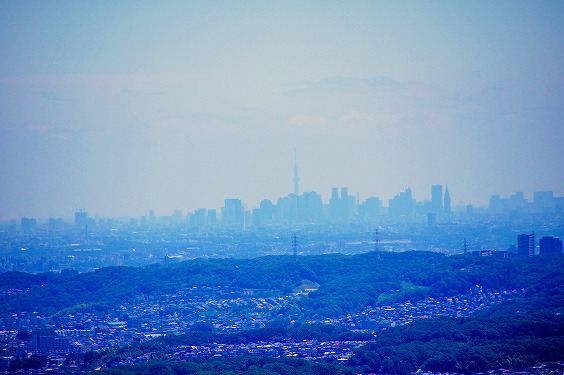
124,107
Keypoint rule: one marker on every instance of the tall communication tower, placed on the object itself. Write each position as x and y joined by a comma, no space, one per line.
465,244
296,178
377,242
295,244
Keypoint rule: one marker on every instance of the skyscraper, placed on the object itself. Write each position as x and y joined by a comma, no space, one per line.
543,201
28,224
437,198
344,214
334,204
550,245
526,244
80,218
233,215
446,206
370,209
402,206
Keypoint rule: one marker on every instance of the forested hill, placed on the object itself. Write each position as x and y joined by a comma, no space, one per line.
346,283
511,312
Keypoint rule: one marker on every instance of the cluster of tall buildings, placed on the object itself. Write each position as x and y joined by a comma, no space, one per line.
342,208
403,206
547,245
308,208
543,201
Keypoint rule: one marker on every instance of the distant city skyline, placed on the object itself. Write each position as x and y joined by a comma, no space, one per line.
121,107
438,202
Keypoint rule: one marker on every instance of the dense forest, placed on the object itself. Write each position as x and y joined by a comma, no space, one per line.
518,333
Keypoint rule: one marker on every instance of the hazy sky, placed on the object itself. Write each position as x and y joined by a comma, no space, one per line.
120,107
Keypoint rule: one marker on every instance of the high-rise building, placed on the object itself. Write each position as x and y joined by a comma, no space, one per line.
233,213
334,204
550,245
28,224
264,214
345,204
310,207
370,209
543,200
341,207
437,198
212,216
80,218
517,202
495,204
285,210
446,207
198,218
402,206
526,244
56,223
177,216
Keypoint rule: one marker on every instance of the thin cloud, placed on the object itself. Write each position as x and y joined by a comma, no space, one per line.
53,96
355,117
315,121
347,84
